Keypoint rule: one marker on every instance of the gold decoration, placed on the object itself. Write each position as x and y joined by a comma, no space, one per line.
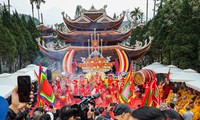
96,64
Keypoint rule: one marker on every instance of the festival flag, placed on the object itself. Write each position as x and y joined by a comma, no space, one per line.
147,99
168,74
45,91
156,96
152,96
128,90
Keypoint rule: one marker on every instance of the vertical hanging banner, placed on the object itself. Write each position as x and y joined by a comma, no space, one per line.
124,60
67,61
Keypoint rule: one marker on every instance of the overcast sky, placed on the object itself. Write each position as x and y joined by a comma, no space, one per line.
52,8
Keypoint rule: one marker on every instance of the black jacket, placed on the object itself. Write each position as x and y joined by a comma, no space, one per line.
11,115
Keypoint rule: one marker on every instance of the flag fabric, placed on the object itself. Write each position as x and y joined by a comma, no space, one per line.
168,74
156,96
45,91
126,93
152,96
128,89
147,99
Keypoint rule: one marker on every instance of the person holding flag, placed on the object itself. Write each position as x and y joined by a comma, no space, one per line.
45,91
128,92
152,96
167,86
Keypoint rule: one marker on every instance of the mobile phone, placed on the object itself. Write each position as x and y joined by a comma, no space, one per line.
24,88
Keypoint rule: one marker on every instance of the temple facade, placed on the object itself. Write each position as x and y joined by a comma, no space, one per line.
93,42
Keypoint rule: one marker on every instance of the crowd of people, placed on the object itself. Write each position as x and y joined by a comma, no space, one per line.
178,102
184,100
68,112
65,87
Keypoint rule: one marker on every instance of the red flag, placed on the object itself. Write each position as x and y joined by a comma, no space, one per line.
45,91
128,91
168,74
147,99
152,96
156,95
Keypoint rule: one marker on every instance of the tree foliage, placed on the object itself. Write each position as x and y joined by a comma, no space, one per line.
176,33
17,40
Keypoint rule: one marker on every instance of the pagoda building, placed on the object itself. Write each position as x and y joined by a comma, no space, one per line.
94,42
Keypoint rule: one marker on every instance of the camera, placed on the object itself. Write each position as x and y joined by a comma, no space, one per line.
82,107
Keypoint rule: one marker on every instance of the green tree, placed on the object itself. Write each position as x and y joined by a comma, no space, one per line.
186,40
136,14
8,48
31,27
18,33
30,43
176,33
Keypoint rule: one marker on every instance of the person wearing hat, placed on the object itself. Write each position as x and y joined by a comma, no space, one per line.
122,112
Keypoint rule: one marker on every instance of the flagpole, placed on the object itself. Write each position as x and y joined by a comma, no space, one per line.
38,95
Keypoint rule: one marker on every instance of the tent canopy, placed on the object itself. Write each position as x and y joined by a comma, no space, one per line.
5,75
6,90
185,76
9,81
31,70
165,70
194,84
154,66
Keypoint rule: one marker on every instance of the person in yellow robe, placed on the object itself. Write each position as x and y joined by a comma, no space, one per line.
182,103
183,110
180,90
189,94
170,95
196,110
179,98
160,88
184,92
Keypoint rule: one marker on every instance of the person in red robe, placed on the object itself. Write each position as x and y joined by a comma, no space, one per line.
68,96
167,87
97,78
97,87
68,81
121,84
87,89
75,87
82,88
82,80
110,79
112,92
58,85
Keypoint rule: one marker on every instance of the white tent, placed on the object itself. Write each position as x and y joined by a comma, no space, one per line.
9,81
185,76
6,90
5,75
12,78
194,84
165,70
154,66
